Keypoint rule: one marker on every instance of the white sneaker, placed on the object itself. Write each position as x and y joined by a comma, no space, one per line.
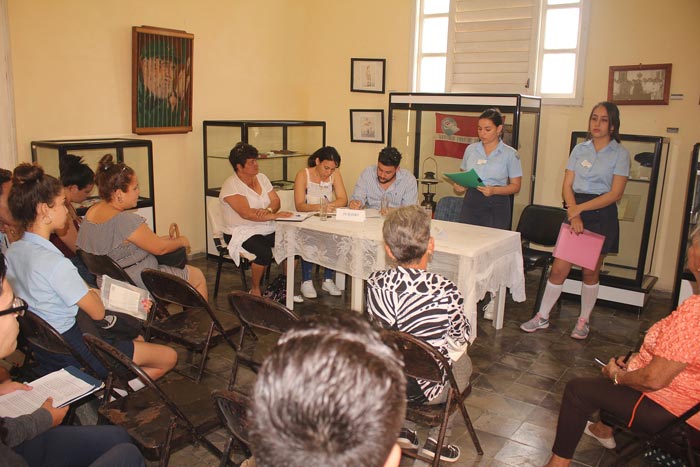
308,290
330,287
490,310
298,299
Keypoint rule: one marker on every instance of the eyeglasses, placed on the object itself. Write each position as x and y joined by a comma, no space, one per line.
19,306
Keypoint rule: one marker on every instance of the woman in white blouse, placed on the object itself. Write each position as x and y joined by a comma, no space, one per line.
249,206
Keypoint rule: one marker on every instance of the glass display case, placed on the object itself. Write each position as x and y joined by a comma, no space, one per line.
284,147
625,277
136,153
685,282
424,126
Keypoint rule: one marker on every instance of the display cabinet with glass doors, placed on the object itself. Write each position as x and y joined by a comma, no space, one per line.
625,277
684,283
136,153
433,130
284,147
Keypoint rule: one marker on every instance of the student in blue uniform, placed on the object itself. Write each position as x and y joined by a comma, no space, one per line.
498,166
594,181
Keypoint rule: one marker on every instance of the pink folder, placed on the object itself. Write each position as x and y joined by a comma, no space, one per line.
582,250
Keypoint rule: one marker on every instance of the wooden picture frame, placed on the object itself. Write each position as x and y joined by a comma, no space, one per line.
367,75
161,70
640,84
367,125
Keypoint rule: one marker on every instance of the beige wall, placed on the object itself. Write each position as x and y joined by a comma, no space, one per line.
291,59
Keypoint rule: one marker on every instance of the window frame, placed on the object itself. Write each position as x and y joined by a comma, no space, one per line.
579,51
418,54
537,51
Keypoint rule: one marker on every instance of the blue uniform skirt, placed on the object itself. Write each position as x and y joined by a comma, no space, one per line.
602,221
486,211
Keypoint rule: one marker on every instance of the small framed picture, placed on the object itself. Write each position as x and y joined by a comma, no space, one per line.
367,75
367,125
640,84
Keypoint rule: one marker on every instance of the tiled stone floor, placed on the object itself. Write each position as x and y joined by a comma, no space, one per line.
518,378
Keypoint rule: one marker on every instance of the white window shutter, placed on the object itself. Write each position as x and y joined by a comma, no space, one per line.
492,46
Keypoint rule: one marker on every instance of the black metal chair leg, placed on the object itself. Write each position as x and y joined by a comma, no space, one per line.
218,277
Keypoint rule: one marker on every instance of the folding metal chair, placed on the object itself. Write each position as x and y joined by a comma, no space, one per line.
161,417
232,408
423,361
197,327
257,313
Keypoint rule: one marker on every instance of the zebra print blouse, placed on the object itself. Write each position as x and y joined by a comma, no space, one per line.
420,303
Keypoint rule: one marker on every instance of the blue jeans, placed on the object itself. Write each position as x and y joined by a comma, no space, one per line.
81,446
306,271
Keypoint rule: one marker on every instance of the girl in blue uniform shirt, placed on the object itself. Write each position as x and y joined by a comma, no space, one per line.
594,181
498,167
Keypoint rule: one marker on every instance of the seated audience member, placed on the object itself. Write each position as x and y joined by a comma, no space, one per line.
649,390
36,439
331,393
110,229
385,180
249,206
8,227
78,181
426,305
321,179
49,282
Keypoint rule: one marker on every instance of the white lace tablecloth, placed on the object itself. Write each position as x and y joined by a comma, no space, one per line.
477,259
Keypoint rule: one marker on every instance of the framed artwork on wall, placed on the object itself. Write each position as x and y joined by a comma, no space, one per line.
161,70
367,75
640,84
367,125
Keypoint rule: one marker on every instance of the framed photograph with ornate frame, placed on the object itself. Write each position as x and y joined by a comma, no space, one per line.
367,75
161,71
640,84
367,125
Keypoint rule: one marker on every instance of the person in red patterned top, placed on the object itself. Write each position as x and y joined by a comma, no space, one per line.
649,389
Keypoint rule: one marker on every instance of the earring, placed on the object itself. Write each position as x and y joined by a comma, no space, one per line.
46,220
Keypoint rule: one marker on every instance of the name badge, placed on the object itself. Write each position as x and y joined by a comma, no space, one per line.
481,162
586,164
353,215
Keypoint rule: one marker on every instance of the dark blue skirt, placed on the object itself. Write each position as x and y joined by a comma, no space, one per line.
486,211
602,221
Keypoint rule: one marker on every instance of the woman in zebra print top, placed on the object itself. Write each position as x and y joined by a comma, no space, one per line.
421,303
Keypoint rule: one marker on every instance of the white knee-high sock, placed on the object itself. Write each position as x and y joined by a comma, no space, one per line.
549,298
589,294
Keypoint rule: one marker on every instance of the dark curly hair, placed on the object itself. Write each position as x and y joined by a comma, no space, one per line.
326,153
112,176
31,187
75,172
240,153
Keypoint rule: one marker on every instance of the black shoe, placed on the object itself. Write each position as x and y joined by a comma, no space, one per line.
408,439
450,453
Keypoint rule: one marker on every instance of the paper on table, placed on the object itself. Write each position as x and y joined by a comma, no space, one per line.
65,386
582,249
125,298
296,217
467,179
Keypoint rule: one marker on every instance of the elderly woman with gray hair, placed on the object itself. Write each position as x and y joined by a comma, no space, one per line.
648,389
411,299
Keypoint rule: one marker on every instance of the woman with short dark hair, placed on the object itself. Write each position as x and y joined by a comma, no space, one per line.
249,206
